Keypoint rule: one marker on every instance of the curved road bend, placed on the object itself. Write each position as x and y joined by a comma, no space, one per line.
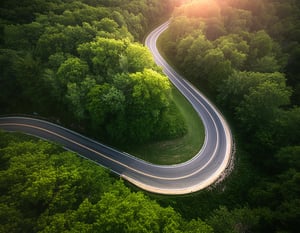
199,172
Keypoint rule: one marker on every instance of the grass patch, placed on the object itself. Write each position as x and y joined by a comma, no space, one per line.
176,150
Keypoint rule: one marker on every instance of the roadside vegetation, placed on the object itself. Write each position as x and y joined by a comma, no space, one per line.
80,64
245,55
177,150
46,189
61,60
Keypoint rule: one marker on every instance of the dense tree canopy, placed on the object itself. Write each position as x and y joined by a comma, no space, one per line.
77,62
46,189
81,61
245,55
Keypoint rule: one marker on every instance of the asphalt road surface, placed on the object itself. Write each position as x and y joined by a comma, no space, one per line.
198,173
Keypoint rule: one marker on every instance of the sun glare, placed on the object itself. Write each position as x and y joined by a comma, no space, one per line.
200,8
199,1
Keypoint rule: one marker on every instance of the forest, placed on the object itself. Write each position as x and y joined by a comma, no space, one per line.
245,56
79,63
46,189
83,62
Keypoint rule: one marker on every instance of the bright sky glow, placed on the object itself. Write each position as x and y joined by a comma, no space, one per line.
200,1
200,8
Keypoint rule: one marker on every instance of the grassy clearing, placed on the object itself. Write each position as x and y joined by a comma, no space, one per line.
176,150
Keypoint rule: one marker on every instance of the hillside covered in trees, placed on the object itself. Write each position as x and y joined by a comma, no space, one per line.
80,63
46,189
245,56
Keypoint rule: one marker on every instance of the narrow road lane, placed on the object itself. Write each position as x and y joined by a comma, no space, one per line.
199,172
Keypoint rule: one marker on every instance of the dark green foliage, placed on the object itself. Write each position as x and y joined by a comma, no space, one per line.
45,189
256,99
246,56
74,57
237,220
281,192
66,59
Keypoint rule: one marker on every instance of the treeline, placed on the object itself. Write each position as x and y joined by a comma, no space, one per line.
245,55
46,189
78,62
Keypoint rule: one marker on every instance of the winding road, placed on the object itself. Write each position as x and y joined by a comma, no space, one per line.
198,173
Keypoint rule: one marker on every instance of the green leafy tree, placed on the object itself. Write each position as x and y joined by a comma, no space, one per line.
192,62
288,158
262,104
52,41
237,20
138,58
261,44
197,226
214,28
72,70
145,105
239,84
267,64
215,67
104,101
237,220
45,189
77,97
235,49
103,56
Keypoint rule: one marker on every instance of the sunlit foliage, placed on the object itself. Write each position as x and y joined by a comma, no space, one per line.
77,61
46,189
245,55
